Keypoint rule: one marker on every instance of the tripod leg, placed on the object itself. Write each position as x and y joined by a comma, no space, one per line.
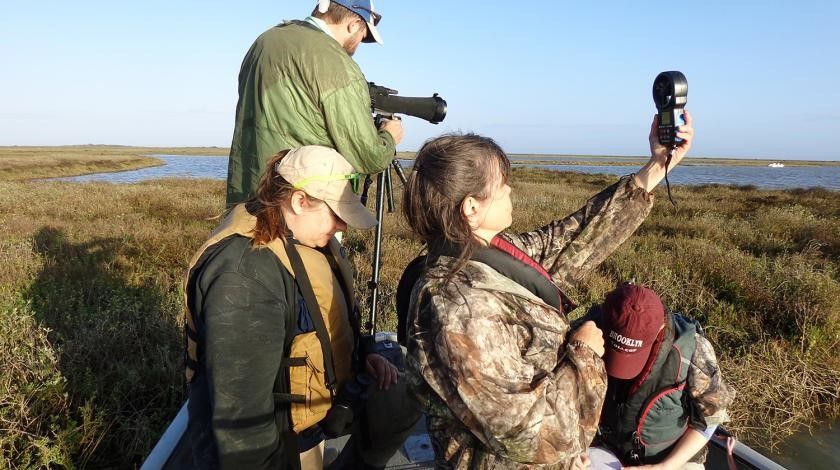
398,168
373,285
390,188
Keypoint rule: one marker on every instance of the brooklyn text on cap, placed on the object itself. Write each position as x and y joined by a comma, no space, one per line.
323,173
631,318
363,8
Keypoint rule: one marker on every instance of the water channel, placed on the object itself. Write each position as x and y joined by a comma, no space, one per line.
762,177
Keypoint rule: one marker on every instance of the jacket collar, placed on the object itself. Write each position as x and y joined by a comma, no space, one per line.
518,272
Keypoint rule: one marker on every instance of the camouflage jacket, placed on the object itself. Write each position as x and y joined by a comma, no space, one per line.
489,360
710,395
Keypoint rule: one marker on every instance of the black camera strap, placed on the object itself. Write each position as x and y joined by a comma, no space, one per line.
302,279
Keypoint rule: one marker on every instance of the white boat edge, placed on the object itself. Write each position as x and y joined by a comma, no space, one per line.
164,448
743,456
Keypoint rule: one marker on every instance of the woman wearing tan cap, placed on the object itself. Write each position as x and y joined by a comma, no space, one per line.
272,322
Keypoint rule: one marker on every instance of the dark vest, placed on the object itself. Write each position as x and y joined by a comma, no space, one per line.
641,425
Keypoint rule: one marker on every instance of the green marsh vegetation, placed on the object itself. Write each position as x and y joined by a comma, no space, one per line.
91,299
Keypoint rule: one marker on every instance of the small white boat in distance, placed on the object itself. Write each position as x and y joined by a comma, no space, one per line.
776,165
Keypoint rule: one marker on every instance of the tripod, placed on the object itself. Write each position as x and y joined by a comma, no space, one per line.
384,189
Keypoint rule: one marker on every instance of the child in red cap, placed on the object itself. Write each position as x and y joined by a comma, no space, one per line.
665,393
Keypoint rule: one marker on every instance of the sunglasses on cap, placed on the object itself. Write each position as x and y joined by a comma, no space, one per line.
354,178
376,17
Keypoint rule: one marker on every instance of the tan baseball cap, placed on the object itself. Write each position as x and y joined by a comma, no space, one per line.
323,173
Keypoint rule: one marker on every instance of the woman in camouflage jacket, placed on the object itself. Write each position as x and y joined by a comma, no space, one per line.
489,356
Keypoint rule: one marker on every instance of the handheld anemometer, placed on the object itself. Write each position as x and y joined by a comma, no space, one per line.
670,94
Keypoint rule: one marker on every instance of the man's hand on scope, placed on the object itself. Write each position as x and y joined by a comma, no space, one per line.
393,127
654,170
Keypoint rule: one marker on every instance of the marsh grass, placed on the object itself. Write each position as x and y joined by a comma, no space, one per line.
91,331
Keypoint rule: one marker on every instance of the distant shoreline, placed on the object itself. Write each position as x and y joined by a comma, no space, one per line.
212,151
552,158
36,162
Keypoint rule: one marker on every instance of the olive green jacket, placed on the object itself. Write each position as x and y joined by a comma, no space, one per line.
298,86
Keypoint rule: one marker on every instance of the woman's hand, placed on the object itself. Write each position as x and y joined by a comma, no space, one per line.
590,335
581,462
381,370
659,152
654,170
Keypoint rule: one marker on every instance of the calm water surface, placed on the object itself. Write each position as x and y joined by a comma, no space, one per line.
175,167
762,177
811,452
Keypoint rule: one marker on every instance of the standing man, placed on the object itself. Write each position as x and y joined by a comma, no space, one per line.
298,85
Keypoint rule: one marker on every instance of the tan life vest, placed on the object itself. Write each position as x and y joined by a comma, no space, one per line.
307,371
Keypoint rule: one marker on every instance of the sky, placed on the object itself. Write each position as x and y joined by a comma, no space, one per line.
539,77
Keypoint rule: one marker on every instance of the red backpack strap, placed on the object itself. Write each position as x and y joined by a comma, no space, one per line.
509,248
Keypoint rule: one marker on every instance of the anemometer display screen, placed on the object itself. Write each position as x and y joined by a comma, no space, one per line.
665,119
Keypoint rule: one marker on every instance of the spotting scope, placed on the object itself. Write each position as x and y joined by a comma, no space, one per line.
386,102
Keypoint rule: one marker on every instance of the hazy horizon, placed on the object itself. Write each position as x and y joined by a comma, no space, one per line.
573,79
556,154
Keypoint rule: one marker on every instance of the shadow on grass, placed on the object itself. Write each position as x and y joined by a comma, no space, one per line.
118,343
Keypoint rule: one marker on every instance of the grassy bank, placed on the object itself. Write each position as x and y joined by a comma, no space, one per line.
25,163
91,331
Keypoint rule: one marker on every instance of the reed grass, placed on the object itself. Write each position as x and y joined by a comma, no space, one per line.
91,329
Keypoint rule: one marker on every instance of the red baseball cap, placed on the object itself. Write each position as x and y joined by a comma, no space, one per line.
631,318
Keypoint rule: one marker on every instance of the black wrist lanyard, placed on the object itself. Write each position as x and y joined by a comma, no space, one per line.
668,183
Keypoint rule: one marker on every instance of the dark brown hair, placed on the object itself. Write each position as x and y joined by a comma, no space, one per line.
272,193
447,170
336,14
